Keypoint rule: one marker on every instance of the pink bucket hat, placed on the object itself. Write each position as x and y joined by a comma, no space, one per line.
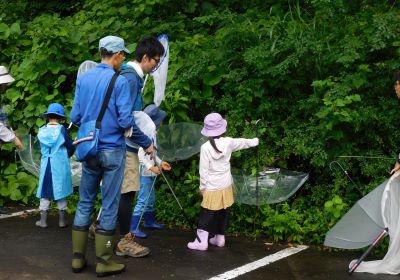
214,125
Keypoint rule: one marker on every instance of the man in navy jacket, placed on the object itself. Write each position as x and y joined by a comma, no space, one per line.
147,56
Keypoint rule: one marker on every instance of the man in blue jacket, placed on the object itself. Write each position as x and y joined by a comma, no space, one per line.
109,163
147,56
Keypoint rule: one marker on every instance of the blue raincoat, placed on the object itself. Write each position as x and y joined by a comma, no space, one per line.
55,171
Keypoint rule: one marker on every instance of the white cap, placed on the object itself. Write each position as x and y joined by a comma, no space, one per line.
5,77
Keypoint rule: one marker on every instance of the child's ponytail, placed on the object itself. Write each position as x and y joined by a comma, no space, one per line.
212,142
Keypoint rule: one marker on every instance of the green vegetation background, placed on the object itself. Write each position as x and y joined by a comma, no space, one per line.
318,72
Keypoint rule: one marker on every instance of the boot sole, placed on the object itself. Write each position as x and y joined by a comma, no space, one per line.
109,273
42,226
150,227
79,270
122,254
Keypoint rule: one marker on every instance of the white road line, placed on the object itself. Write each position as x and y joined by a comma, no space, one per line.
4,216
260,263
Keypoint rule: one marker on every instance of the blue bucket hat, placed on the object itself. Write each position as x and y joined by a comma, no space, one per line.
155,113
113,44
55,109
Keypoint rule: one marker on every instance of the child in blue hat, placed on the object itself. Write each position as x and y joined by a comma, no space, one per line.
55,181
148,173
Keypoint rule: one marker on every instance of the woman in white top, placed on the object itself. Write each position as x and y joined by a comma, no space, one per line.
216,181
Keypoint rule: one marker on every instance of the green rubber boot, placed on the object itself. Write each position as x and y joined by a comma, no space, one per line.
79,244
104,250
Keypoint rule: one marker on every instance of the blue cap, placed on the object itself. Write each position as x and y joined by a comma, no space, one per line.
113,44
155,113
55,109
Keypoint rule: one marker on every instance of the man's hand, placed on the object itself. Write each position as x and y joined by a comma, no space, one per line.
18,143
155,169
150,151
128,132
165,166
395,168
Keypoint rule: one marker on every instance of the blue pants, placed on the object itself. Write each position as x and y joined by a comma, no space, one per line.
146,182
107,165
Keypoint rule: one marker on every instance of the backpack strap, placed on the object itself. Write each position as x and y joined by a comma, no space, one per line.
106,99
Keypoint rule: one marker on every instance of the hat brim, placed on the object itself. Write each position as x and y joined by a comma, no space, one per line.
214,132
126,50
50,113
6,79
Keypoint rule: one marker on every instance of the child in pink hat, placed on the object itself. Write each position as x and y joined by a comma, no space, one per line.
216,181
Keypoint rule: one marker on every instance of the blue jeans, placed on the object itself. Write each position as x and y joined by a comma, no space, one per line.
146,182
108,165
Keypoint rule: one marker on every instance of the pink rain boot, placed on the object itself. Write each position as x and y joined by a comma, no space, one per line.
196,245
218,240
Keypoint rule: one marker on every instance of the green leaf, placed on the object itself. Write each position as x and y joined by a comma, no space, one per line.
11,169
4,31
13,94
4,191
15,193
328,205
337,200
212,79
15,28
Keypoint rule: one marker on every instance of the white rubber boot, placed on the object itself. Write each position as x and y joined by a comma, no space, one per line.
218,240
203,244
43,219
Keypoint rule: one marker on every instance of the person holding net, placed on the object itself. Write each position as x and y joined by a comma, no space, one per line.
7,135
216,181
148,174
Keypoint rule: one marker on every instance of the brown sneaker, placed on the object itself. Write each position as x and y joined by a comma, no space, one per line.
92,230
129,248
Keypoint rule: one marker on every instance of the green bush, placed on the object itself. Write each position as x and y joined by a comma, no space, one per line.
317,72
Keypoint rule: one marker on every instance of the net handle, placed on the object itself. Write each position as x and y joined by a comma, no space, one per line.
258,164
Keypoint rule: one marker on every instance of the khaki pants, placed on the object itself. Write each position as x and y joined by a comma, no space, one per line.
131,181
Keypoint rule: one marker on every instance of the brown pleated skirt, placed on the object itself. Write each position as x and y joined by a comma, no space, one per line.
217,200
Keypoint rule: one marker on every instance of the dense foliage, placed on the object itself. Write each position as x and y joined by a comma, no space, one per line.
317,72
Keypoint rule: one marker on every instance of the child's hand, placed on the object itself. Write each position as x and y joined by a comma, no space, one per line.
155,169
165,166
18,143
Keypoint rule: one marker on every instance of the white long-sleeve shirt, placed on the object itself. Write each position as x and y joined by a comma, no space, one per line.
6,135
215,168
146,163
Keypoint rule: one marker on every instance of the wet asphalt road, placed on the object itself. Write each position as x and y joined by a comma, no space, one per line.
28,252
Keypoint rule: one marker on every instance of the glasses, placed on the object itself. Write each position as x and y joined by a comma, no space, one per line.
157,60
